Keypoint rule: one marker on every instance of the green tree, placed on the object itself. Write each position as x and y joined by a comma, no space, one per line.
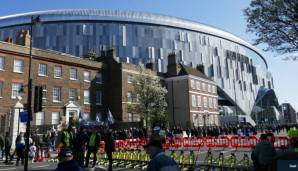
275,23
151,103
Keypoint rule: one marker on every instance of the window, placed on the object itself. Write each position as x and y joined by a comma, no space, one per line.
99,78
1,88
40,118
210,103
199,101
205,102
57,72
213,89
98,97
129,97
129,117
18,66
55,118
15,90
198,85
209,88
44,93
214,103
86,97
193,101
129,78
72,94
87,76
42,70
56,94
192,84
73,74
203,87
2,63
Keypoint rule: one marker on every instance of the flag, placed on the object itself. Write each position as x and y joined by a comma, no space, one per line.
110,118
24,116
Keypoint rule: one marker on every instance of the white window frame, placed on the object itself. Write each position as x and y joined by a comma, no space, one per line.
87,76
199,101
56,94
42,70
40,118
44,93
98,78
72,94
205,102
213,89
198,85
2,63
210,102
129,117
73,75
15,90
193,101
203,86
192,84
86,97
129,79
18,68
98,98
209,88
55,120
57,72
129,96
215,103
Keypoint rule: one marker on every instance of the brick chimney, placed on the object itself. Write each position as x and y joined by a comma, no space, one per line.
23,38
201,68
173,67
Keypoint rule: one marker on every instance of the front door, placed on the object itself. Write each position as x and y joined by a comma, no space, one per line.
73,117
72,111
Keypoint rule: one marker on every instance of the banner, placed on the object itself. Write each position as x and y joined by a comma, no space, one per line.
24,116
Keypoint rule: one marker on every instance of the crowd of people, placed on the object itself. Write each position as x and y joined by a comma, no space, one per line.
85,140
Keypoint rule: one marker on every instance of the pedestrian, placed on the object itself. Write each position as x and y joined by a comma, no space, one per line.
20,147
92,145
159,160
32,152
263,154
67,138
1,146
7,146
67,162
109,146
79,145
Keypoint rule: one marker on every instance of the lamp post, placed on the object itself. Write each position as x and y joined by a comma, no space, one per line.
34,20
19,106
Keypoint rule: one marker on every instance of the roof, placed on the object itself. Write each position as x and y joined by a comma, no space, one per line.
121,16
187,70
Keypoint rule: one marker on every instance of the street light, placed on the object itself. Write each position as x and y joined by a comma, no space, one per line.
34,20
19,106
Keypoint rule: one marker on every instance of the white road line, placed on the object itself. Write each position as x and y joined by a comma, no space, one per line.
9,169
43,165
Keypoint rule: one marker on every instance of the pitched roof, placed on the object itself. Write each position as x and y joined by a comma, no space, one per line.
187,70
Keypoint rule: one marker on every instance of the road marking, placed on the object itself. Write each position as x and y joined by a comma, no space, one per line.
9,169
43,165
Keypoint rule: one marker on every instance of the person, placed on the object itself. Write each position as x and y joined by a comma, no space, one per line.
79,145
67,162
92,145
159,161
293,135
20,147
67,138
1,146
32,152
109,145
263,154
7,146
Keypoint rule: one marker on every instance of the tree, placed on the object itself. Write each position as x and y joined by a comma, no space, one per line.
274,22
151,103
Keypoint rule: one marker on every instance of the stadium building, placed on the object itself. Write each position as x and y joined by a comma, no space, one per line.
238,68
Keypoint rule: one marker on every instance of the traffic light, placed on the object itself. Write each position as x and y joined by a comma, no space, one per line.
38,99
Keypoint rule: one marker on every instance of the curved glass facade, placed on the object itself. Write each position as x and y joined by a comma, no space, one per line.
235,65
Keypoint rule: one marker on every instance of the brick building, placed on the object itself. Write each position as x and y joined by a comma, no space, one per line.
192,96
71,86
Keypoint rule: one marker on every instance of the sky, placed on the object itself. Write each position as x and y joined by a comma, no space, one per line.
224,14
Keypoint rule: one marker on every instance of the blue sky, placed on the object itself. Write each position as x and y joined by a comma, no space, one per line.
224,14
